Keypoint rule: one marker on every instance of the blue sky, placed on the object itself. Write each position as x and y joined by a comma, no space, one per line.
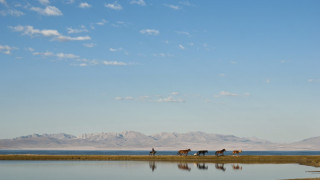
248,68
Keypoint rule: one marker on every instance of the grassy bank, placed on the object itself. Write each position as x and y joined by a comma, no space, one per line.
304,160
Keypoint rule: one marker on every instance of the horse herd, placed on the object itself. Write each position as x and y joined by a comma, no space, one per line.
203,152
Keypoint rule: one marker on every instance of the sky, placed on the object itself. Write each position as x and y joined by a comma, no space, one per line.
246,68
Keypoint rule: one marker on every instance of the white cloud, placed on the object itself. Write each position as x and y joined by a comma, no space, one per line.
48,11
284,61
120,24
69,1
127,98
175,7
83,64
66,56
82,29
175,93
49,32
84,5
149,31
44,2
29,30
89,45
138,2
6,49
58,55
115,49
183,33
114,63
163,55
226,93
233,62
222,75
46,54
68,38
114,6
11,12
313,80
181,46
3,2
185,3
268,81
30,49
102,22
170,99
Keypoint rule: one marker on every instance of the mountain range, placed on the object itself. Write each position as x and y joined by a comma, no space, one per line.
131,140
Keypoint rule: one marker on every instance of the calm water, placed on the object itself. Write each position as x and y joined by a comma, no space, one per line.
72,152
136,170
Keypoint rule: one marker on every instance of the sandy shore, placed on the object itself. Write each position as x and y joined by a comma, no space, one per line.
303,160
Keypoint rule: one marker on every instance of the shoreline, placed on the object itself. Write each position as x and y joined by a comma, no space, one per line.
309,160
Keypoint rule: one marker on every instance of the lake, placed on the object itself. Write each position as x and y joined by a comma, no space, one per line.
137,170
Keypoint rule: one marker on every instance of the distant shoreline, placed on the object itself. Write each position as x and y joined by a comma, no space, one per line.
310,160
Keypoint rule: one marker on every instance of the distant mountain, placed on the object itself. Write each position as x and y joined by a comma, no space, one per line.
131,140
307,144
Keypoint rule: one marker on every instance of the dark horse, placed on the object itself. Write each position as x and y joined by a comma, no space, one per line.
220,152
152,152
185,152
203,152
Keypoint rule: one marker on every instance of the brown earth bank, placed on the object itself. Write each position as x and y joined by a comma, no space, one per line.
303,160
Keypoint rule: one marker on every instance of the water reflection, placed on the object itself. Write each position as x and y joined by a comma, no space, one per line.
184,166
134,170
236,167
202,166
152,165
220,167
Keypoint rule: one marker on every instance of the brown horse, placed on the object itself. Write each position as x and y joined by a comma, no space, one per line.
185,152
220,152
237,152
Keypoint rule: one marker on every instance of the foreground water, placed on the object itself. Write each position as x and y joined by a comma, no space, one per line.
137,170
93,152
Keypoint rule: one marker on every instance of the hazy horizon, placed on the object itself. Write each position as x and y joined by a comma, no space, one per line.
245,68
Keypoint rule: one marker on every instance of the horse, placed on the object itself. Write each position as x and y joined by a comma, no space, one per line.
152,153
237,152
220,152
185,152
201,152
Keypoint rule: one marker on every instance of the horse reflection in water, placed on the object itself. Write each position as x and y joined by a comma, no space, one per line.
236,167
202,166
184,166
152,165
220,167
